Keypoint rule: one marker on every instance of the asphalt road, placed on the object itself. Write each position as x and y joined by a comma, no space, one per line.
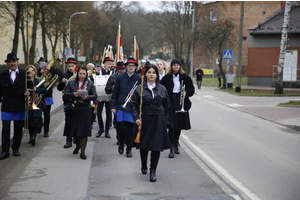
256,155
228,154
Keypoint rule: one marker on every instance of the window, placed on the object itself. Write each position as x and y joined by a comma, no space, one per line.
37,32
213,15
263,12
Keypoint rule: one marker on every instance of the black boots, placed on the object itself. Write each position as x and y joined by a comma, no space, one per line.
152,175
172,150
176,149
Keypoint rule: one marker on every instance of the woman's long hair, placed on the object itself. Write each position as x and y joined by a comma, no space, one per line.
156,71
34,69
77,76
170,70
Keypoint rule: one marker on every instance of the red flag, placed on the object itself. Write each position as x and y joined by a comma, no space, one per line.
136,51
119,45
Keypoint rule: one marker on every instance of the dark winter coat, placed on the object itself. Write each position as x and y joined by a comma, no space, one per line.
12,96
151,106
167,81
122,87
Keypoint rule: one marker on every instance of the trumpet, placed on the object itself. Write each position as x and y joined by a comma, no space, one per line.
128,98
29,102
182,90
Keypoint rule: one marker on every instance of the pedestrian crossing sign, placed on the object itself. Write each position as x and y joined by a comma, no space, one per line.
227,54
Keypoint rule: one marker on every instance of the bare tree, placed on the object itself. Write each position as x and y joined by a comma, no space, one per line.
218,36
284,36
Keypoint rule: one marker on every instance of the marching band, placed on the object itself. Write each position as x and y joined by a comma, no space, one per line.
134,99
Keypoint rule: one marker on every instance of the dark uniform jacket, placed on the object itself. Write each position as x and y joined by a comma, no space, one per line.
122,87
110,83
61,85
167,81
12,96
151,106
41,90
72,87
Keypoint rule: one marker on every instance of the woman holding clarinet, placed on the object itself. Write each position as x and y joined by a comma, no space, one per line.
154,103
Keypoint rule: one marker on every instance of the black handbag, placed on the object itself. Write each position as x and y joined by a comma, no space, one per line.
70,106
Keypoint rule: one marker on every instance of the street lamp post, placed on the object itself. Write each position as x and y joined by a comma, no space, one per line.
192,44
77,13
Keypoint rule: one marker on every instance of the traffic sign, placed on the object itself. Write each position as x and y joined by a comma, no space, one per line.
227,54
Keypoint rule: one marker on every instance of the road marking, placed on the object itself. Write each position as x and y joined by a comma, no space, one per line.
234,105
207,96
221,170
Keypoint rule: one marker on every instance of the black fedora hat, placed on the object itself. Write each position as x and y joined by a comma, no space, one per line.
71,60
120,65
107,59
11,56
131,60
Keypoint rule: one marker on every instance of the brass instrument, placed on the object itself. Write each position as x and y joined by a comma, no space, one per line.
182,91
72,77
47,78
92,73
128,98
29,101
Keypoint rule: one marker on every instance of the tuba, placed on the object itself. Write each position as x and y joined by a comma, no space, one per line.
48,78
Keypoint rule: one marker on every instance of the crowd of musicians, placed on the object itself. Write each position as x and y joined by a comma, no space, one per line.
148,106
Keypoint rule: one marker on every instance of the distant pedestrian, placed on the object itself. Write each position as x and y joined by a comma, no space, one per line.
219,75
161,66
199,74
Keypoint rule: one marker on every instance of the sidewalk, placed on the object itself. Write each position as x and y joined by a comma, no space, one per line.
263,107
58,104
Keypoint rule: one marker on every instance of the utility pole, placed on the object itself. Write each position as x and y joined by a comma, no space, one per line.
192,45
238,70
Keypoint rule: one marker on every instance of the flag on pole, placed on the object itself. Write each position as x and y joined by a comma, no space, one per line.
136,50
119,45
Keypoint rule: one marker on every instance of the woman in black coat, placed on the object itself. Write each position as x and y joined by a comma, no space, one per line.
176,121
154,136
78,122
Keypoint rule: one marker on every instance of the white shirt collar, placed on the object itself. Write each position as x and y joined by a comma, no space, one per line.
17,70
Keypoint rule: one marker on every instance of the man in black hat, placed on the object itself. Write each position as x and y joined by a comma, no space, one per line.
123,85
12,90
120,69
108,62
63,81
47,99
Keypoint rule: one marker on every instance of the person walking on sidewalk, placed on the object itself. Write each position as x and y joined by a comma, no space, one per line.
219,75
154,136
106,71
78,122
124,84
177,120
62,83
35,121
199,74
47,99
12,91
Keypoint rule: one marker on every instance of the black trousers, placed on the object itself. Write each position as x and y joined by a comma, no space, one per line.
47,118
219,79
68,139
108,115
18,126
93,115
153,160
126,130
33,131
174,136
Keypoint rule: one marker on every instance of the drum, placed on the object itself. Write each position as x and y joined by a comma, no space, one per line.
100,83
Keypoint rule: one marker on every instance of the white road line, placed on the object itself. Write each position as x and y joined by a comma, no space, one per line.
221,170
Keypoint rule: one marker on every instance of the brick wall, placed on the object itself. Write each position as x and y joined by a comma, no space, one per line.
231,9
261,60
